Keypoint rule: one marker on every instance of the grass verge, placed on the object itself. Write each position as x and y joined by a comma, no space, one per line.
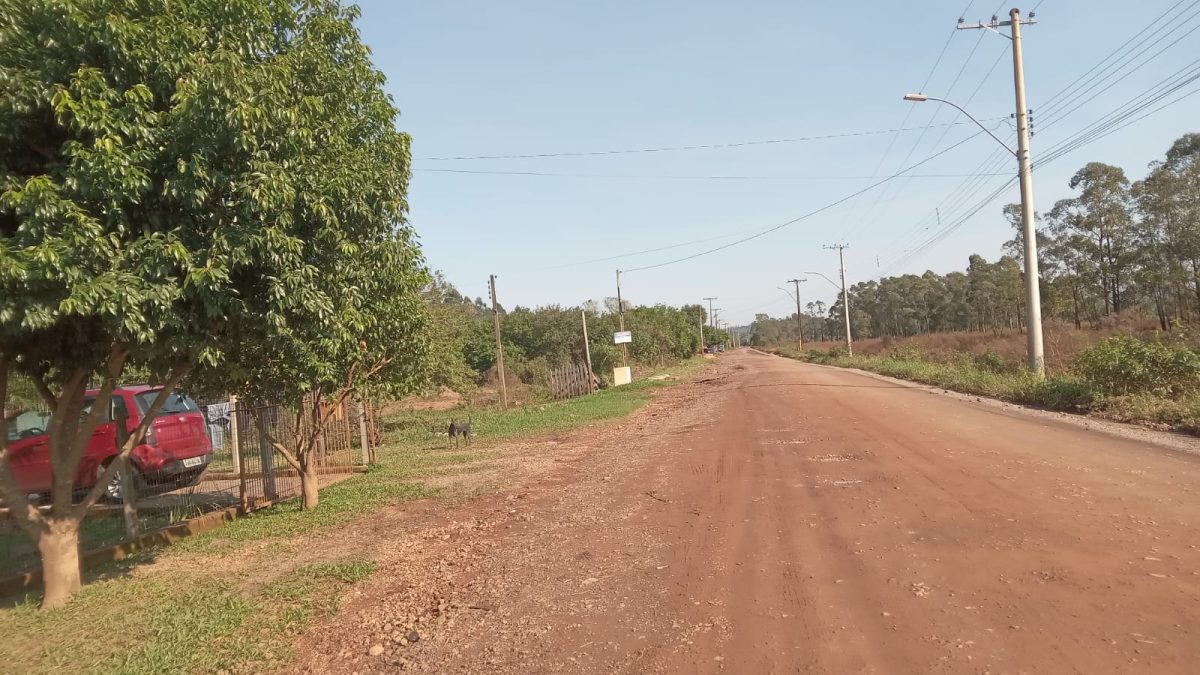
209,615
972,374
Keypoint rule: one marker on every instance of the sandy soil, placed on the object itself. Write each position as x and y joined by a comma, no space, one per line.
779,517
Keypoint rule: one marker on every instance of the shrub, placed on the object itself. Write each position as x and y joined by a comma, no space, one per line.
1059,393
992,362
1122,365
906,352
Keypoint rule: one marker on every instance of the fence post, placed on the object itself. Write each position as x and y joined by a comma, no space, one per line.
234,444
235,434
362,430
267,454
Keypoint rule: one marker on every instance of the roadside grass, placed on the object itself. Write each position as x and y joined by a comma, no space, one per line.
211,617
983,376
173,623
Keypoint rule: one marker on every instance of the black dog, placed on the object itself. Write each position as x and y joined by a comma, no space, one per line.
460,430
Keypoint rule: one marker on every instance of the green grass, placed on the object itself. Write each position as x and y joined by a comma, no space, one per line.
1055,392
173,623
209,619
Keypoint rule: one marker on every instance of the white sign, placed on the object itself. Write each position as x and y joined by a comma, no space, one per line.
622,337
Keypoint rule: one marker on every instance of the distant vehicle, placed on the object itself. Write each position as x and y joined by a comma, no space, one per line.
720,348
174,454
710,349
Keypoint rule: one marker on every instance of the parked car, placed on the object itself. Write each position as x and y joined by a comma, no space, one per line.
174,453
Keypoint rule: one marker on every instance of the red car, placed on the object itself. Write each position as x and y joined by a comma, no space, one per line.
174,454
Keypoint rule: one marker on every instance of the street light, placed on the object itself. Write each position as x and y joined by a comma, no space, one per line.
1033,294
921,98
845,306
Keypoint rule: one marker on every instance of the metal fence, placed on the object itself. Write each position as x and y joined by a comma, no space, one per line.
245,470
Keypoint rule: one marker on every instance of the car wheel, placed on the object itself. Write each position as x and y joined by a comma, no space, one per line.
112,490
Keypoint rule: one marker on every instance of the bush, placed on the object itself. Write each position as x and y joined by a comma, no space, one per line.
992,362
1123,365
1059,393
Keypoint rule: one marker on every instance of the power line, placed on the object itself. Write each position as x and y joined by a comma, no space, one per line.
810,214
676,177
675,148
1111,123
972,186
1053,117
1055,102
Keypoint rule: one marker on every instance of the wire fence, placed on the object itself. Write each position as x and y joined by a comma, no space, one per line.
229,459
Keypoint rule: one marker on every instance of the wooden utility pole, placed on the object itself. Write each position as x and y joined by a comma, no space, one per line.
621,322
499,344
799,325
587,351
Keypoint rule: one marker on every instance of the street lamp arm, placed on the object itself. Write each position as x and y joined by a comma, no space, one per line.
831,282
917,98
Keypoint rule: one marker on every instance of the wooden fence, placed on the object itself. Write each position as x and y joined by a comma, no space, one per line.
570,381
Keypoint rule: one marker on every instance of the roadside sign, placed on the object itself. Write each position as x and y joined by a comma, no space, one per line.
622,337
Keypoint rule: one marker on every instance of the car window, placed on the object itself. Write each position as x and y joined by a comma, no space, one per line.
28,424
176,403
87,409
117,409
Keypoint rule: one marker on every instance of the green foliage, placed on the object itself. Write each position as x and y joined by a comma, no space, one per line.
203,183
1124,364
541,339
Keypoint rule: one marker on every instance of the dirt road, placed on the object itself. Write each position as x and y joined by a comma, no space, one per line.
781,517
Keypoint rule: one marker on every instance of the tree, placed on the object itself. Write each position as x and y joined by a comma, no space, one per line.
179,184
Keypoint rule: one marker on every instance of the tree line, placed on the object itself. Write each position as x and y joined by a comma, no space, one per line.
536,340
1113,246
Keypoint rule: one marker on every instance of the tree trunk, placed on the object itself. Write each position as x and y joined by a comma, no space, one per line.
309,485
59,546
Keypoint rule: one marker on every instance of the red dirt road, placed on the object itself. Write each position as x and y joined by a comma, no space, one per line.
782,517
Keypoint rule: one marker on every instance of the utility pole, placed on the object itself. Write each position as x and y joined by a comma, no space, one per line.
799,325
701,322
621,322
587,350
499,344
711,322
841,248
1033,295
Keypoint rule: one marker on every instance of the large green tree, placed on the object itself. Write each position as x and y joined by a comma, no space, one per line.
193,188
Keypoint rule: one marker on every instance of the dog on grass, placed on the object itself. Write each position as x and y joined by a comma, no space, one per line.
460,430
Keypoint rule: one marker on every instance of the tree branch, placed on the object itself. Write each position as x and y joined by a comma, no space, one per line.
83,435
134,439
43,389
290,458
287,454
24,513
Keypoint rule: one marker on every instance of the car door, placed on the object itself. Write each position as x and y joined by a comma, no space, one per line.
28,449
102,446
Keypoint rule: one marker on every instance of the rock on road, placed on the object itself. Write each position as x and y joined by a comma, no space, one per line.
778,517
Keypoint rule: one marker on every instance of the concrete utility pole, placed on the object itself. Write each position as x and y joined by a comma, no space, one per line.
621,322
701,322
799,325
499,344
1033,295
841,249
711,322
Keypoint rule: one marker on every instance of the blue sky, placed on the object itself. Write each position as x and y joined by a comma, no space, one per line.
488,78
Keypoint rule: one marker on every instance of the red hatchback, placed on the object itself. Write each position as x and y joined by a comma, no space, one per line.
174,454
